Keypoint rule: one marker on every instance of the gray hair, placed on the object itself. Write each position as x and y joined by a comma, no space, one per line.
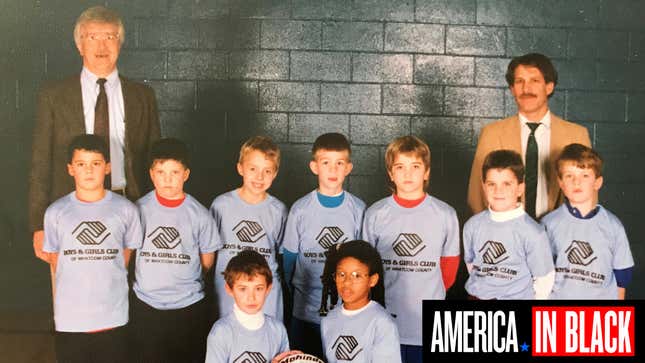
99,14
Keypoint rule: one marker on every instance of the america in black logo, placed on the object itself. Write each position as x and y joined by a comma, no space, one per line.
329,236
580,253
250,357
249,231
165,237
494,252
90,233
408,245
346,347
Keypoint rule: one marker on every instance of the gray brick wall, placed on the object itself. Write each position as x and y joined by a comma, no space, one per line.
224,70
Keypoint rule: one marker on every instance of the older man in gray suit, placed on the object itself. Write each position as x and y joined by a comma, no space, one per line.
98,101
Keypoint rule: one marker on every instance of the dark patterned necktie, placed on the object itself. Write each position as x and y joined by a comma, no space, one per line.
102,120
531,158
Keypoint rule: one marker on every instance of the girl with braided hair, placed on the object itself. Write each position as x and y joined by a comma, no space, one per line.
361,330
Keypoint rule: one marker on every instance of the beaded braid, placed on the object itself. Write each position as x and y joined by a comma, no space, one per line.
329,291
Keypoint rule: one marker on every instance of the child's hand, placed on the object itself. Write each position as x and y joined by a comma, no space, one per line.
283,355
39,239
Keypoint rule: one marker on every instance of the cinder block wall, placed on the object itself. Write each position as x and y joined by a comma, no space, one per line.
224,70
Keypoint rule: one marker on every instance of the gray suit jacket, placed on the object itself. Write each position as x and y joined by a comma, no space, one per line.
60,118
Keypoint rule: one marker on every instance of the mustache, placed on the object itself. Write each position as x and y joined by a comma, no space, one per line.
527,95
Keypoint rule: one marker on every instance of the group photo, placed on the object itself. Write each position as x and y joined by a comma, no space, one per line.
292,181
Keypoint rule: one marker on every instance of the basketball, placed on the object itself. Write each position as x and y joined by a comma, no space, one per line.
300,358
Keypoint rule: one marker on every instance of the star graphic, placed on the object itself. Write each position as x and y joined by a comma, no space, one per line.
524,347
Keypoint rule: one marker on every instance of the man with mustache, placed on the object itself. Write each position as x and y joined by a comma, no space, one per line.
537,134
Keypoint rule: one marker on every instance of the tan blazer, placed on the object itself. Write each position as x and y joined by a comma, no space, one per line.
505,134
60,118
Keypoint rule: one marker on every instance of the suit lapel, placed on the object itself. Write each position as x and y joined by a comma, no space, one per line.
558,136
511,135
131,112
72,100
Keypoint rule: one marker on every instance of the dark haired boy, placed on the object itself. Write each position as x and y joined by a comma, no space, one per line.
247,334
506,252
322,218
180,239
535,133
593,259
89,234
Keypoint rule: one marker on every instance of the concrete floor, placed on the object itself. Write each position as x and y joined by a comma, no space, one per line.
26,337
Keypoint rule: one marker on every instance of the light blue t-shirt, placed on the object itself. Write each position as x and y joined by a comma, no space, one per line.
586,252
168,265
411,242
506,256
244,226
91,277
230,342
311,230
370,336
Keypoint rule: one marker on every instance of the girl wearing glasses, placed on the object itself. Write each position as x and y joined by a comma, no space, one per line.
360,330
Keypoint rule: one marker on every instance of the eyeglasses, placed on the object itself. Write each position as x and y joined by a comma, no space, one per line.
353,277
102,36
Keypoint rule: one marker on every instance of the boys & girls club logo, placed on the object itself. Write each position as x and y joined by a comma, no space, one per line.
249,231
580,253
165,238
250,357
346,347
330,236
495,252
90,233
408,245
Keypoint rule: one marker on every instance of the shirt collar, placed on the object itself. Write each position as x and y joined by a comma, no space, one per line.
545,121
507,215
408,203
576,212
90,78
331,201
249,321
357,311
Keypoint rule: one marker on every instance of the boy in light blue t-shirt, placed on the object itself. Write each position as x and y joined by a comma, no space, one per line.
506,252
417,235
180,239
593,259
317,221
90,234
246,334
250,218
